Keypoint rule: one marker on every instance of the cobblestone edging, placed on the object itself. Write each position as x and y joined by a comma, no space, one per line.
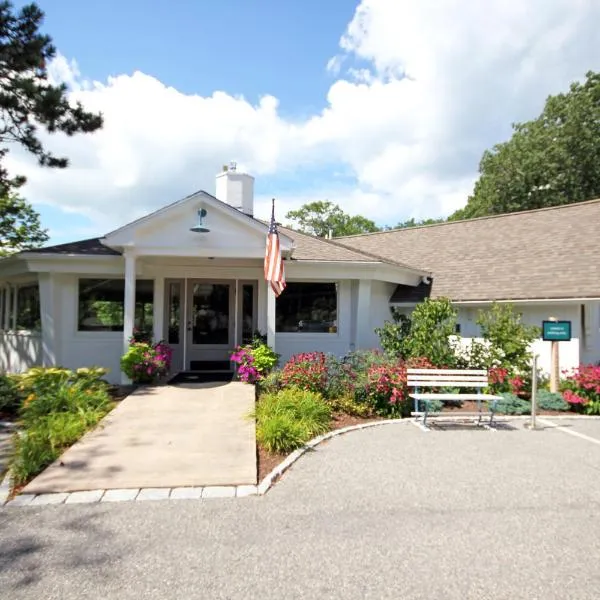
137,494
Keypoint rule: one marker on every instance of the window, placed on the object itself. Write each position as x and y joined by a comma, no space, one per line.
101,305
307,308
174,312
28,308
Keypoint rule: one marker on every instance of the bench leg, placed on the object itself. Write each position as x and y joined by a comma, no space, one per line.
492,411
426,411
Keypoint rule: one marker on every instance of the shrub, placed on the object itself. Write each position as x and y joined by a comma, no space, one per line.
271,383
500,381
11,395
548,401
394,336
306,371
428,333
581,389
386,389
145,362
284,421
60,406
74,397
279,433
48,380
350,405
255,361
512,405
508,338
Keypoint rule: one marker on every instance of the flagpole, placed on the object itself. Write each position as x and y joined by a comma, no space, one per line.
274,275
270,317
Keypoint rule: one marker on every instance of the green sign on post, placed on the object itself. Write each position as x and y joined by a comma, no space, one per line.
556,331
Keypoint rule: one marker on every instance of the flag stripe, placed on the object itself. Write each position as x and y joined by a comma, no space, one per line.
274,270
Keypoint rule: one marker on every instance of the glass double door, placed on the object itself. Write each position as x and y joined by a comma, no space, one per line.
205,321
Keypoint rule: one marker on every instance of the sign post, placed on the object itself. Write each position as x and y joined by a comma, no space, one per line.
534,383
555,331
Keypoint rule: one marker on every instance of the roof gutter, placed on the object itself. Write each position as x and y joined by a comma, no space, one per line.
512,301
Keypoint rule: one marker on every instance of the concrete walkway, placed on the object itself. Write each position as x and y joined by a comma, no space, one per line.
171,436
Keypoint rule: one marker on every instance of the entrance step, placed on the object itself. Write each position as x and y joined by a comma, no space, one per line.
187,377
210,365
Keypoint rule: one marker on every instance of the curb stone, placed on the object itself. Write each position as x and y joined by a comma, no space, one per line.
5,489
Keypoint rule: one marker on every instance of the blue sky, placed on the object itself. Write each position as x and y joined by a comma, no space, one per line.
248,47
310,97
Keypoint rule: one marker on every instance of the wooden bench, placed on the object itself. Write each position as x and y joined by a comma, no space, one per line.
447,380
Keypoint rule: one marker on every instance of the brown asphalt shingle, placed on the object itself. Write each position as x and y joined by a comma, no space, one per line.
308,247
546,253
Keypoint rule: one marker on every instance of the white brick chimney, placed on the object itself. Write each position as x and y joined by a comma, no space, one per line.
236,189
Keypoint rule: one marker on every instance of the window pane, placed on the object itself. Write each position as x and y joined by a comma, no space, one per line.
101,304
247,313
174,312
210,314
144,306
28,308
307,308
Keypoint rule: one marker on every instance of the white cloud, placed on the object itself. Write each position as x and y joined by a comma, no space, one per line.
428,86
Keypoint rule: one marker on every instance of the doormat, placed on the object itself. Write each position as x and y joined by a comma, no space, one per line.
196,377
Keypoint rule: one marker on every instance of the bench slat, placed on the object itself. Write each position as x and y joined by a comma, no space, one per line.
446,372
447,383
453,378
455,397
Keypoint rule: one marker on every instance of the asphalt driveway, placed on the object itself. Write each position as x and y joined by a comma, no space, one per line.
389,512
168,436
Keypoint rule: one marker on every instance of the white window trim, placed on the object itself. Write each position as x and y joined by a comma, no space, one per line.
297,335
99,335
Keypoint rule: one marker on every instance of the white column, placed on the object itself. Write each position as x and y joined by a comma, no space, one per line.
270,317
129,306
158,317
363,316
261,301
236,312
48,310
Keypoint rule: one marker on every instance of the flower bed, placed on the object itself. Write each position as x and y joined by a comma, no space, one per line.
58,407
369,385
581,389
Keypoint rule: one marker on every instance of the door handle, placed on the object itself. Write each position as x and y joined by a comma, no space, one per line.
189,326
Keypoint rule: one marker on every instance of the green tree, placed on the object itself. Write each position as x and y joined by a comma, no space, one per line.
413,223
507,338
394,335
27,99
322,218
20,227
427,333
549,161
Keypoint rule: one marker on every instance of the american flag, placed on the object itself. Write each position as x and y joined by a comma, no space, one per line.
274,271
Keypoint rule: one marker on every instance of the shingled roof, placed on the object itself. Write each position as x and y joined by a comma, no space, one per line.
308,247
90,247
540,254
